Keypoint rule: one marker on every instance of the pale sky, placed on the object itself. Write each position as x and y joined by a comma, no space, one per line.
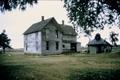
16,22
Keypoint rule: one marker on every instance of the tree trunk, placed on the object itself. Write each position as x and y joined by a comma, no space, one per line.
3,50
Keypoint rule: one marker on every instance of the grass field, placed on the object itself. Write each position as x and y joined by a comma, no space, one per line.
56,67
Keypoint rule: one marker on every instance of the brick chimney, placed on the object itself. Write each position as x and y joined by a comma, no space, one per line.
42,18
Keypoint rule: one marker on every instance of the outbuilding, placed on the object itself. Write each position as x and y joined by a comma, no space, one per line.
99,45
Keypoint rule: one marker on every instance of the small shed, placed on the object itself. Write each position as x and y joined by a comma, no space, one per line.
99,45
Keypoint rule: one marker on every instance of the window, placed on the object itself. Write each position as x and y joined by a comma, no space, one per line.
47,45
26,46
57,33
37,45
46,33
63,46
57,45
36,41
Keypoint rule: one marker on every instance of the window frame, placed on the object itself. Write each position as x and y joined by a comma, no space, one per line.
47,45
57,33
57,45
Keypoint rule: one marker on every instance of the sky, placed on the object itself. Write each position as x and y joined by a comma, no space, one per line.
16,22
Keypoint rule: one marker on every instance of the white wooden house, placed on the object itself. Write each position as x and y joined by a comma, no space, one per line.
49,37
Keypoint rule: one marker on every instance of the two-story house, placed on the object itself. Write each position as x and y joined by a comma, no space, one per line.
49,37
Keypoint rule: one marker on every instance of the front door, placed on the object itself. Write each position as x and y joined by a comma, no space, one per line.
99,50
73,47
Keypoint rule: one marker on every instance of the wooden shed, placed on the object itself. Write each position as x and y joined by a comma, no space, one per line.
99,46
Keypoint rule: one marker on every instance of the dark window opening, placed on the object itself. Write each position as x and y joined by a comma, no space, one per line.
57,45
57,33
37,45
47,45
26,46
73,47
63,46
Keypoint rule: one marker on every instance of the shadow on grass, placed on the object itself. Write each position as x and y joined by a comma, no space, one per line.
94,74
7,72
13,72
19,72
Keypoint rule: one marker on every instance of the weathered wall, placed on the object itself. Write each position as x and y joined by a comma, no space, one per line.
67,47
78,46
50,36
36,42
92,50
69,38
32,43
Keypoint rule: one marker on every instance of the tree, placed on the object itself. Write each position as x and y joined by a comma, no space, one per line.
88,14
88,34
13,4
114,38
93,14
4,41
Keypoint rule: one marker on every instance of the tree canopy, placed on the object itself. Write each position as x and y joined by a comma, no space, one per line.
88,14
93,14
114,38
4,41
13,4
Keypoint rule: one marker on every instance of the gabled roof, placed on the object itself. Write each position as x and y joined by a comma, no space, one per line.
99,42
38,26
65,29
68,30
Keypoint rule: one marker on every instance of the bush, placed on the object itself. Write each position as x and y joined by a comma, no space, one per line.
94,75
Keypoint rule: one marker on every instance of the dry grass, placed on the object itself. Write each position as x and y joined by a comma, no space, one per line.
53,67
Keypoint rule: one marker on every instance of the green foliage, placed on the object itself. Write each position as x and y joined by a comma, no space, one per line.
95,74
13,72
92,14
114,38
4,41
13,4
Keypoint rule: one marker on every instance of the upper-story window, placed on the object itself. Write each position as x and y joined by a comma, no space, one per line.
56,33
46,33
63,46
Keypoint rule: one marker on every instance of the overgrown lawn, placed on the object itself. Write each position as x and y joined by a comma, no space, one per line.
59,67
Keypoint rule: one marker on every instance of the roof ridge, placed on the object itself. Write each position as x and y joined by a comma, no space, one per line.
49,19
35,25
66,29
44,20
65,25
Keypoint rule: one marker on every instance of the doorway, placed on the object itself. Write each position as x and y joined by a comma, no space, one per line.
73,47
99,49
